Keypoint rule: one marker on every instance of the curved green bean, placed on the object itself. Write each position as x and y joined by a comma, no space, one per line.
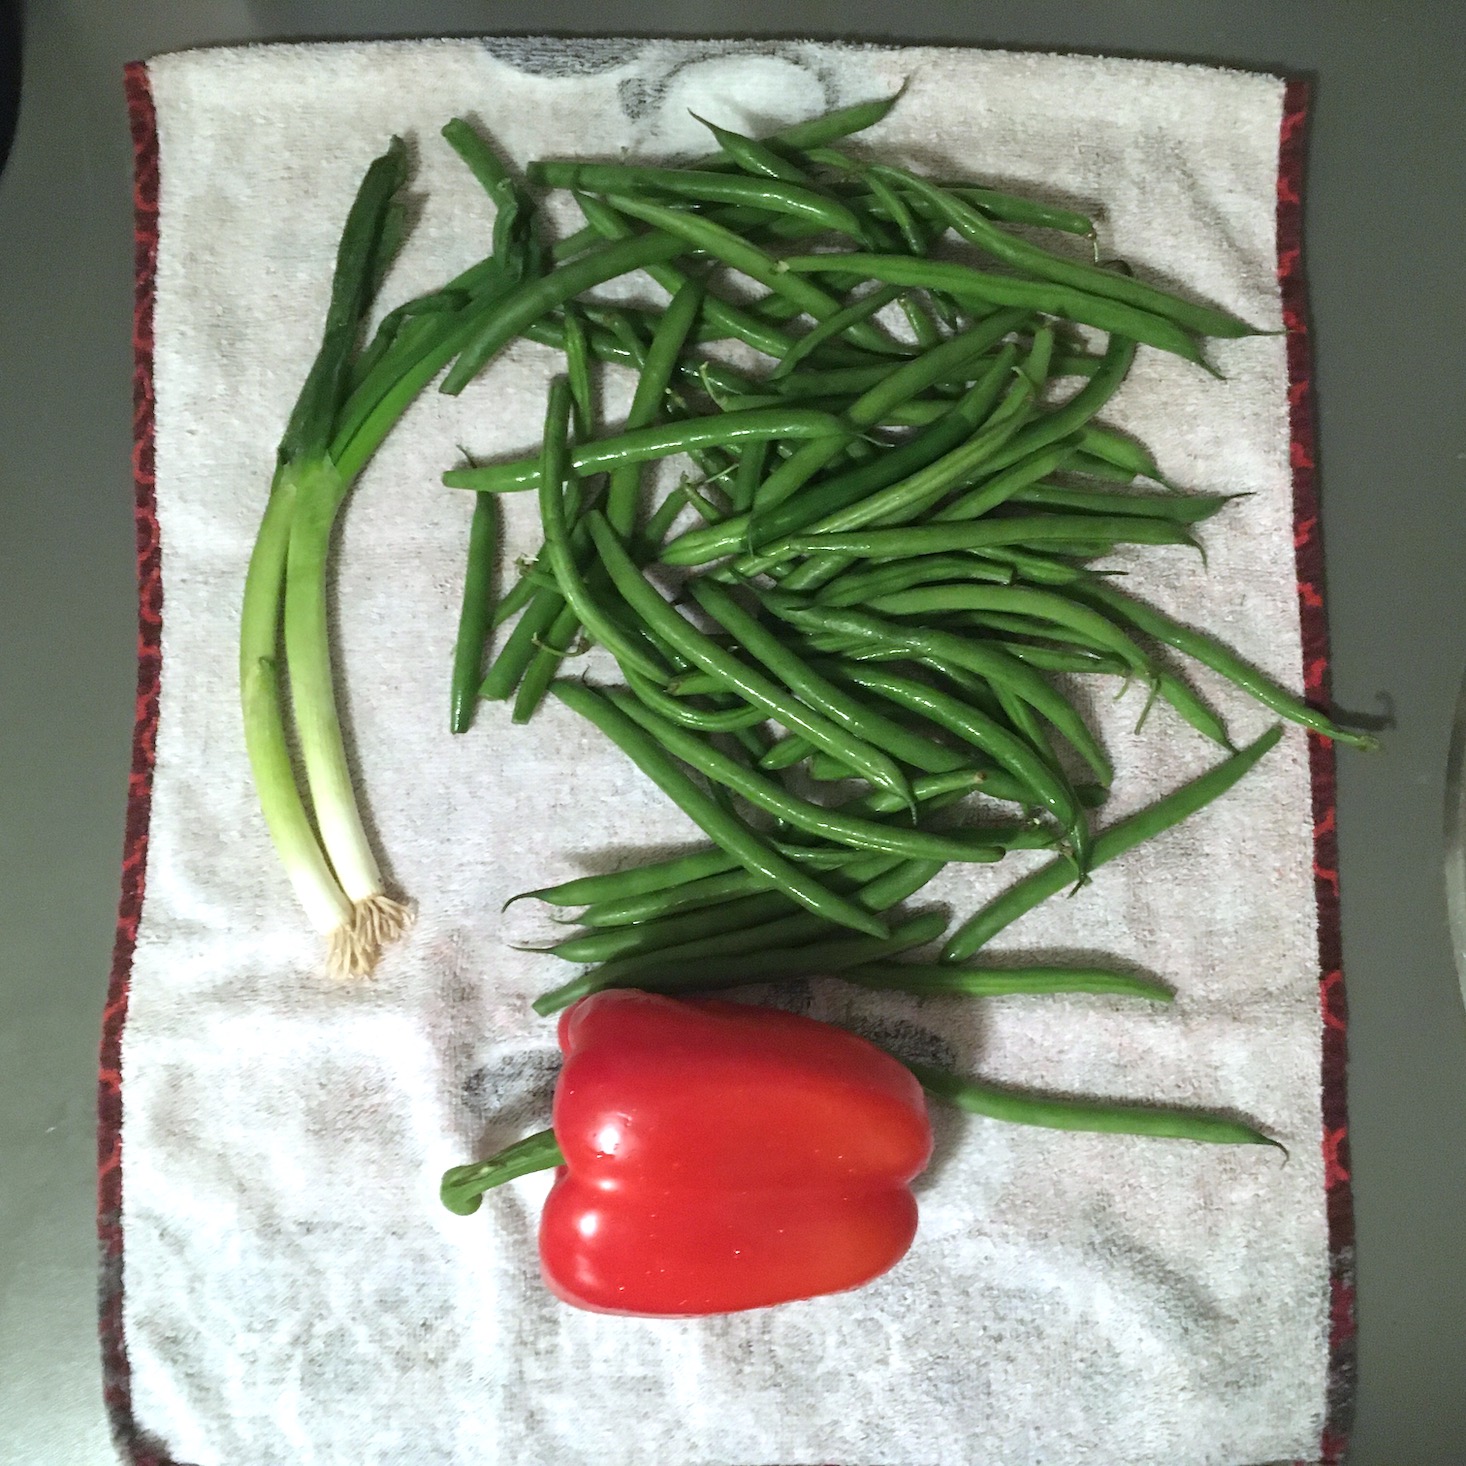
1000,1103
1021,898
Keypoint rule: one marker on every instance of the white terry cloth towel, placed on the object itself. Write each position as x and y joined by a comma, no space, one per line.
291,1289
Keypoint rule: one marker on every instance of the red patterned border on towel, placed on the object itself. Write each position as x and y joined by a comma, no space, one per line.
1309,553
1308,544
116,1377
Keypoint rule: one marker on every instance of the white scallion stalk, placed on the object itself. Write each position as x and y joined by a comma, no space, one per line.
265,739
377,919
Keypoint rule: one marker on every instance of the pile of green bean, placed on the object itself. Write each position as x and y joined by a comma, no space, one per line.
899,514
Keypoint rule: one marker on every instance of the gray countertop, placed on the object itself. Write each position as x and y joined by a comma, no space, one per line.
1386,199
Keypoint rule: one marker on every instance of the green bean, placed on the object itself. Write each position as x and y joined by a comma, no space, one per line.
1009,484
537,297
529,632
475,615
656,370
831,126
923,327
859,587
1093,279
723,244
750,849
561,640
1064,614
994,982
828,824
716,889
812,689
1018,899
577,370
1047,786
771,195
987,661
1184,508
1074,415
1211,653
746,681
860,309
1000,1103
919,491
802,505
636,880
703,720
751,462
754,158
1013,209
608,944
680,970
515,244
943,538
573,586
1036,568
658,441
826,381
724,319
902,384
1120,452
969,284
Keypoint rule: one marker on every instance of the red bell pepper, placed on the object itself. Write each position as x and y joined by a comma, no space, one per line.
721,1157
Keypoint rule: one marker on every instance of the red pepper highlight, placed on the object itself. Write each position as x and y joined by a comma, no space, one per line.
721,1157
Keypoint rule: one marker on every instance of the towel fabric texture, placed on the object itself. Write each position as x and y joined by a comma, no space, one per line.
281,1284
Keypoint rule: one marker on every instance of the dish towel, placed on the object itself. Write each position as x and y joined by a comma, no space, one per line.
281,1284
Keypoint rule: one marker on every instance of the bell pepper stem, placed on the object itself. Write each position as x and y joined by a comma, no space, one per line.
463,1187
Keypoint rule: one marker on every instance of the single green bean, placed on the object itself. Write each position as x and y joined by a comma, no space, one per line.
703,720
493,328
662,440
655,376
756,159
860,309
994,982
1000,1103
1065,615
474,618
1018,899
1184,508
561,640
1211,653
860,587
636,880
